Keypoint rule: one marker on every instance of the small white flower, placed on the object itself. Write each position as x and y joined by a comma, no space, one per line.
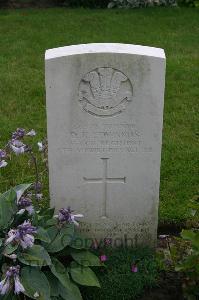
40,145
12,256
39,196
163,236
19,194
76,216
11,236
30,210
36,295
21,211
31,133
3,164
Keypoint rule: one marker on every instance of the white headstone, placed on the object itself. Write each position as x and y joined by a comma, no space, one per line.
105,115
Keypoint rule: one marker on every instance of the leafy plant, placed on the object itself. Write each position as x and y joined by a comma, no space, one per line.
182,255
87,3
140,3
188,3
42,255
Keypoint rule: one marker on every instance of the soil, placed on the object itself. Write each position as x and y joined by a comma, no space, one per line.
169,288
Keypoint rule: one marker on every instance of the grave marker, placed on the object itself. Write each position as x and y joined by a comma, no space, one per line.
105,114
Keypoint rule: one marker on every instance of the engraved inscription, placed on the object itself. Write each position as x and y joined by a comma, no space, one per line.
105,180
106,138
105,92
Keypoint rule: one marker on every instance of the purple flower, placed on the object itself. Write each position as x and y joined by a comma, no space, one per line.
23,235
2,154
12,276
25,204
3,163
18,286
103,258
107,241
38,186
18,134
16,144
11,236
134,268
17,147
65,215
4,286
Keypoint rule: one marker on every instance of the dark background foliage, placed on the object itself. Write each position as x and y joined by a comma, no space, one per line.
49,3
74,3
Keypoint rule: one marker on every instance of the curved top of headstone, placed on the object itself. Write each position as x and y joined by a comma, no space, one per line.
104,48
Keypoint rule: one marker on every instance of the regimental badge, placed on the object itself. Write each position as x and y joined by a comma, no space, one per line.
105,92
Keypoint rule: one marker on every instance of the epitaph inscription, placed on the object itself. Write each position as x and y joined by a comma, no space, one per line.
105,92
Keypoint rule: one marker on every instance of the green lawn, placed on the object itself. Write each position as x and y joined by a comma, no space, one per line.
118,281
26,34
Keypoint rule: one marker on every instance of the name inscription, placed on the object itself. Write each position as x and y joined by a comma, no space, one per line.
106,138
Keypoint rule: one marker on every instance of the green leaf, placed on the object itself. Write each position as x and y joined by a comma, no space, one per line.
59,271
188,235
191,236
83,275
178,268
20,189
9,296
42,235
72,294
8,208
51,222
59,238
9,249
81,242
44,216
35,220
54,284
49,212
86,258
35,256
34,281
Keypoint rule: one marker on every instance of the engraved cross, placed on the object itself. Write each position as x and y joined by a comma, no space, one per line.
105,180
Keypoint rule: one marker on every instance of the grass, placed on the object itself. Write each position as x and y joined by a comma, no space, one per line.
26,34
116,279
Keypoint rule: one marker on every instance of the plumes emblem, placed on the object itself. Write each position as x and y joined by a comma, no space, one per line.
105,92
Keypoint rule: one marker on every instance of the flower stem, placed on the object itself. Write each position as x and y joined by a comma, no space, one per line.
34,159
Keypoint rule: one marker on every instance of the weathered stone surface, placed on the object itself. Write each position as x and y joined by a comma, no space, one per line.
105,113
